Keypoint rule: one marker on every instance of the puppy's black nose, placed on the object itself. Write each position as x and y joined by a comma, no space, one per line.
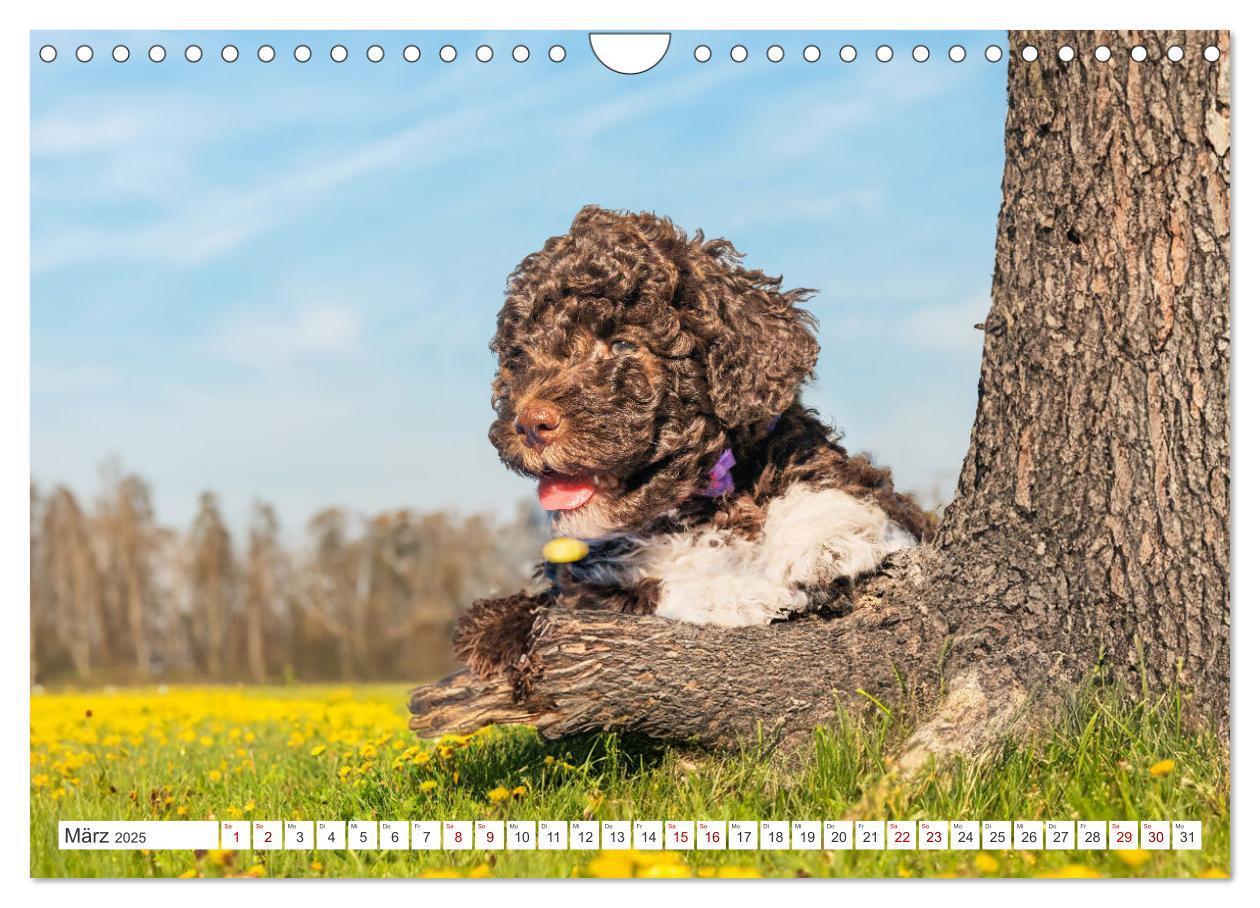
538,421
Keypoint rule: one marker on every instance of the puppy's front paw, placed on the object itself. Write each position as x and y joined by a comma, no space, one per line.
493,635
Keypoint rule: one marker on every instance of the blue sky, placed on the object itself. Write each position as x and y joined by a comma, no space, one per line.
278,280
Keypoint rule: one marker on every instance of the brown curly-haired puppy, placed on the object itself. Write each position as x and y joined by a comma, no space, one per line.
650,383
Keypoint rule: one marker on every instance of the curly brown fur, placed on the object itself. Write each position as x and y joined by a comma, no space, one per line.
655,348
801,449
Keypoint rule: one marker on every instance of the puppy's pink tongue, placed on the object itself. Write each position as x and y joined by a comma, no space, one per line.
557,492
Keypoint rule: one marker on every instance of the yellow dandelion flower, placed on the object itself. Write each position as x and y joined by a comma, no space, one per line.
1072,872
667,871
190,874
1135,858
455,777
233,813
648,858
548,760
612,865
428,785
480,872
317,866
1163,768
1213,873
498,795
214,775
318,749
220,858
344,771
986,864
258,870
206,741
446,874
738,873
519,791
181,810
40,781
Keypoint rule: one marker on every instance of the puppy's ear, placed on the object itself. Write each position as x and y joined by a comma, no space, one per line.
759,344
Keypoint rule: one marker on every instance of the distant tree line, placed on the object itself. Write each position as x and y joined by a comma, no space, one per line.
117,598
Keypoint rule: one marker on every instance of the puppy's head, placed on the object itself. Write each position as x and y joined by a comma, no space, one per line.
630,355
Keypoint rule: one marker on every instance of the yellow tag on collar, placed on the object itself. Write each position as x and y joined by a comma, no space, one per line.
565,550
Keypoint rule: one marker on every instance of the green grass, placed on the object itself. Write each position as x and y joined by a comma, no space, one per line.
1093,764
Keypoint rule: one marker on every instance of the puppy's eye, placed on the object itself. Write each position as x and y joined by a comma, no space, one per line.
621,348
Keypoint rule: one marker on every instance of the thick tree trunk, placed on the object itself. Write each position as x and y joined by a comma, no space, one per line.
1092,512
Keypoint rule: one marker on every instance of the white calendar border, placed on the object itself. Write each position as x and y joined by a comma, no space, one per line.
645,14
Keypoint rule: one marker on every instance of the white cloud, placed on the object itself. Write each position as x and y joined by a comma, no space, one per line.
75,133
942,328
317,330
603,116
55,379
948,328
204,227
762,210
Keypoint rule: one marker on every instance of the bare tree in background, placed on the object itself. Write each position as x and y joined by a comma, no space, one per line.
213,578
117,598
332,585
262,587
65,587
126,535
37,582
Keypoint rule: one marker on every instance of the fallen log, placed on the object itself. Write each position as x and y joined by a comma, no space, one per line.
592,670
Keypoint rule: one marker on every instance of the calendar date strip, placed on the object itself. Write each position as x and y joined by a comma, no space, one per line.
642,835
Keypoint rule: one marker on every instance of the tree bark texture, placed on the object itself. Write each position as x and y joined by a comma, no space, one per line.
1092,511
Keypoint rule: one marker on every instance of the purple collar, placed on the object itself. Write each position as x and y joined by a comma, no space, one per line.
720,480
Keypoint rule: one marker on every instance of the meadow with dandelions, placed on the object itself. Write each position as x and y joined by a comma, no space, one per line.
319,753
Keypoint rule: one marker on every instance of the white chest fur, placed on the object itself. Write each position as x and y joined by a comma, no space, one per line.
812,537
